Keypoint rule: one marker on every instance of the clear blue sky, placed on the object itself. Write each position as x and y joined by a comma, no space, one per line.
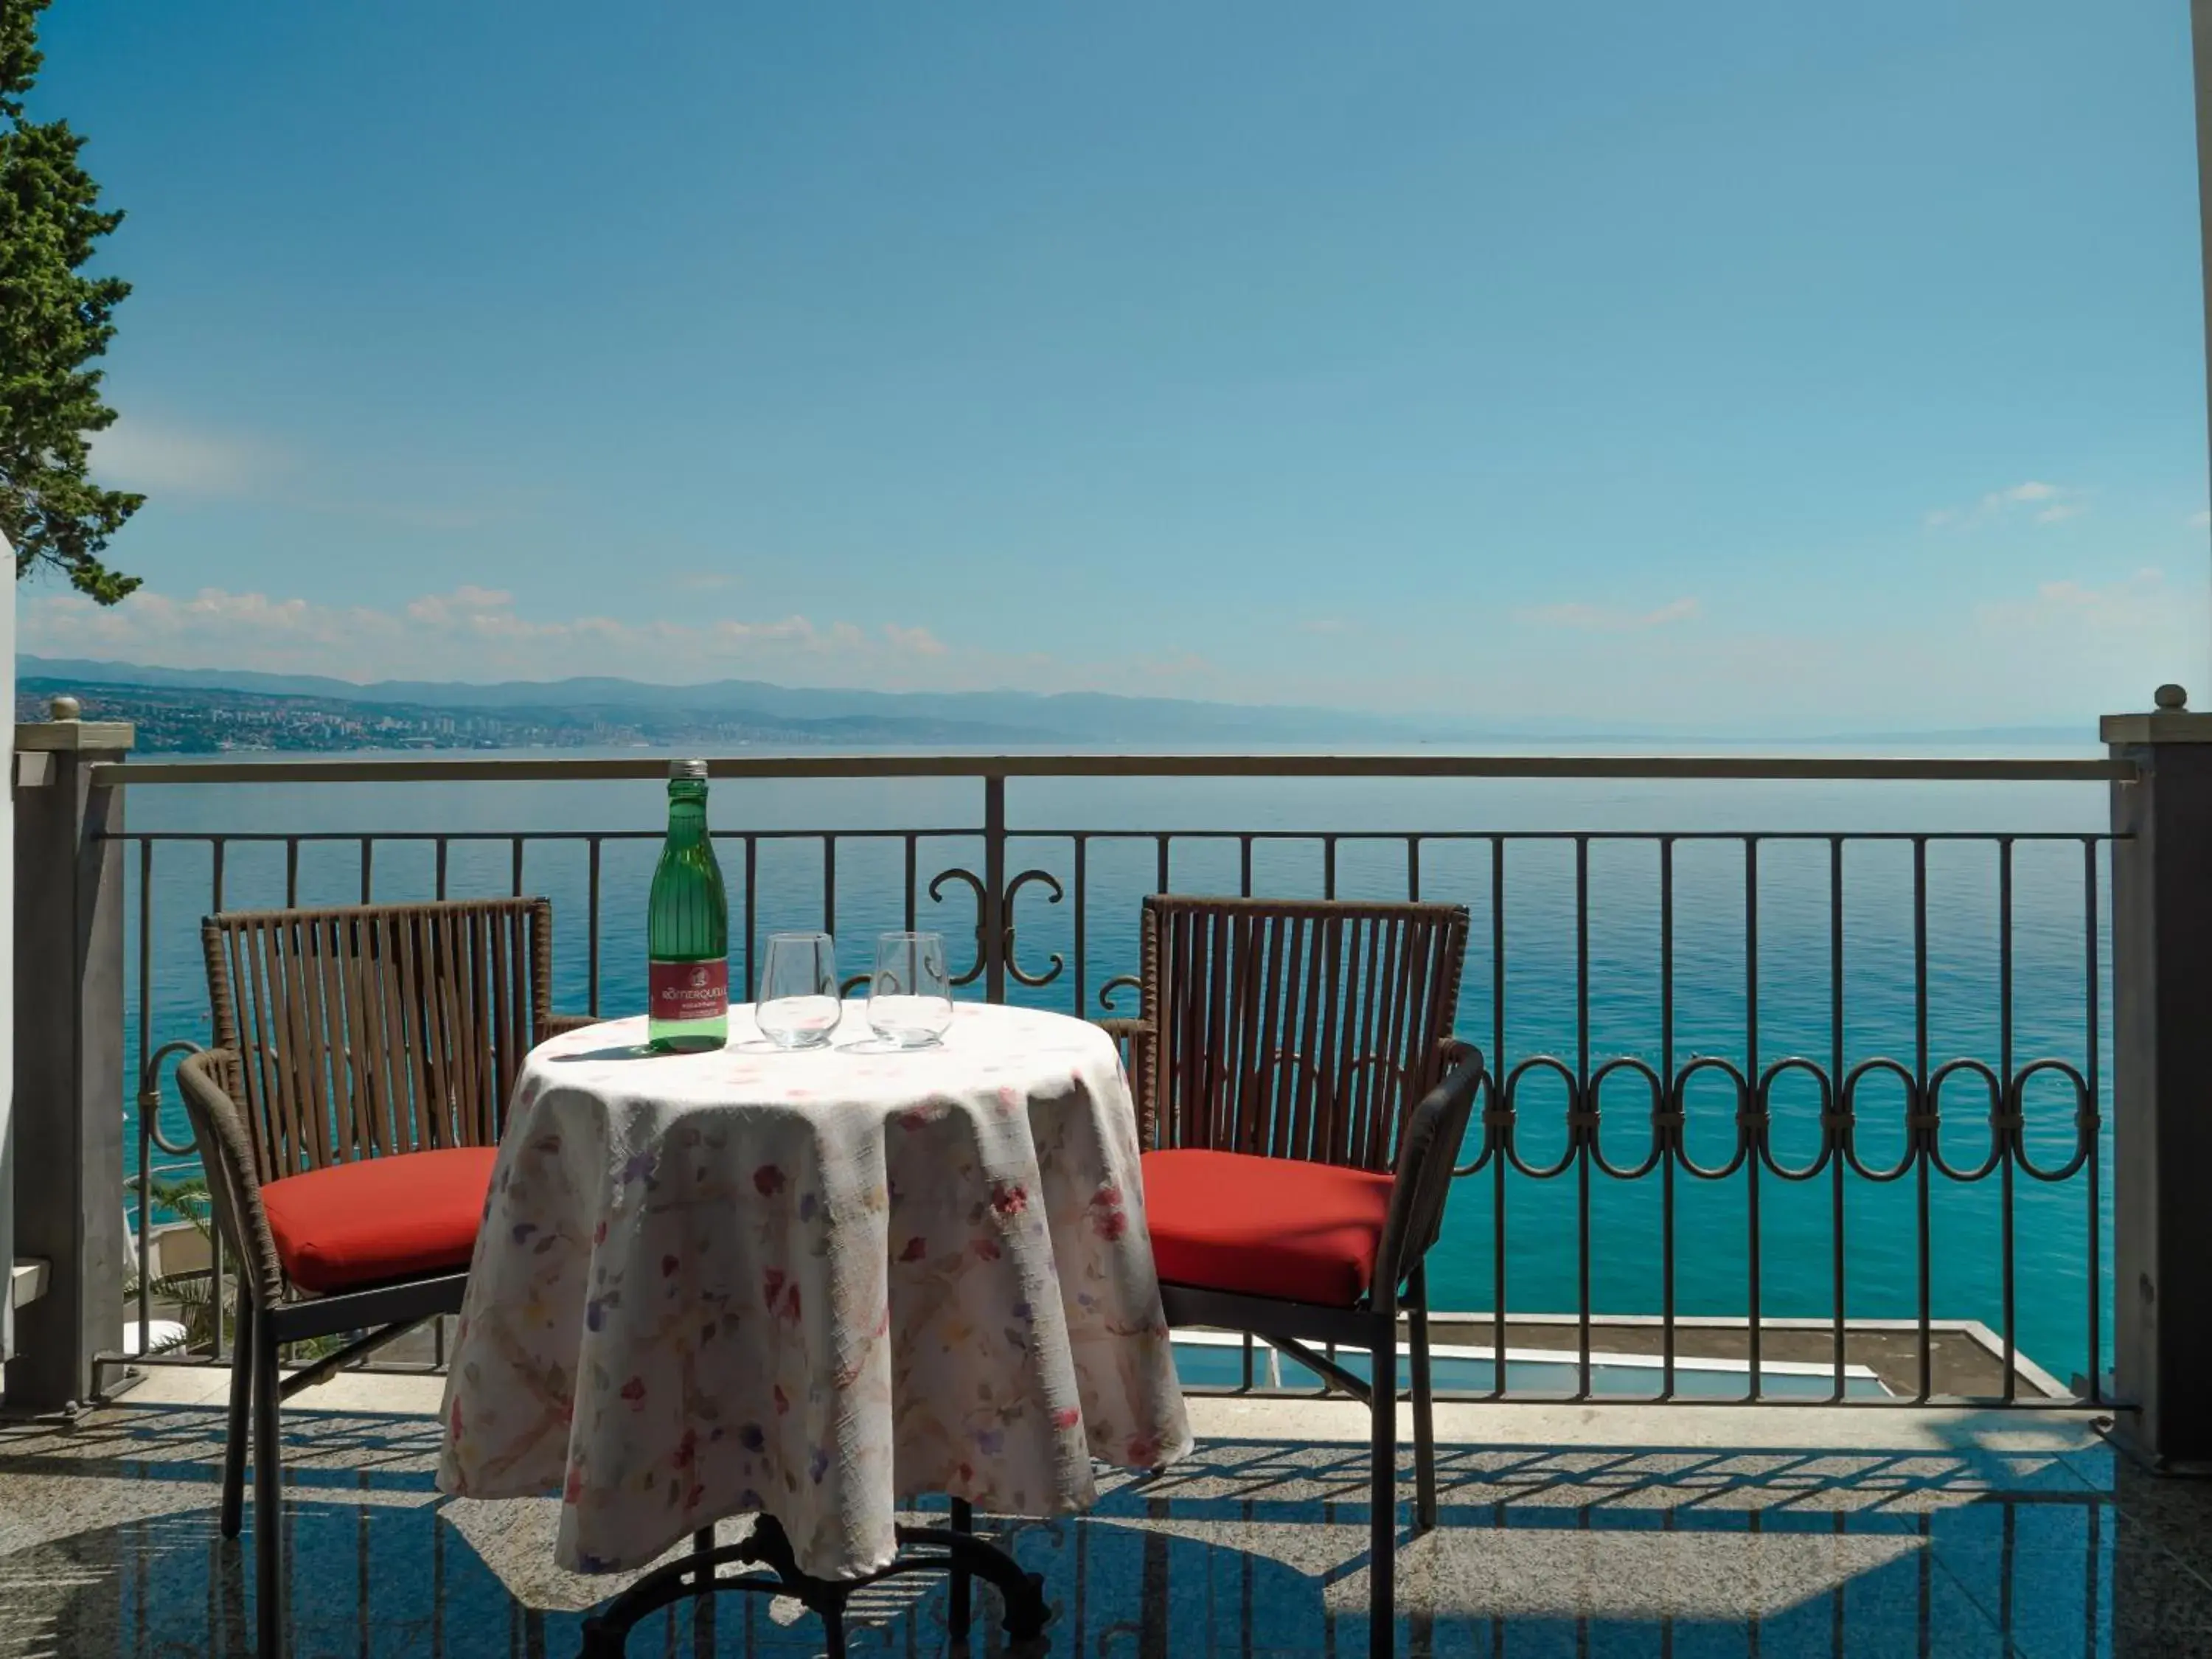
1703,359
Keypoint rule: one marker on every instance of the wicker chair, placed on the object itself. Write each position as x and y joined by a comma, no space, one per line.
1298,1081
349,1116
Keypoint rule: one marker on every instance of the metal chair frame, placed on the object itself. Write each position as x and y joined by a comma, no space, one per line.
342,1034
1264,1029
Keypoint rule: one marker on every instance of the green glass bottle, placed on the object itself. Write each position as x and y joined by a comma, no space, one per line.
687,926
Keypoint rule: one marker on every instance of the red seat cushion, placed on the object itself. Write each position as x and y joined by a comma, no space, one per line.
379,1220
1265,1226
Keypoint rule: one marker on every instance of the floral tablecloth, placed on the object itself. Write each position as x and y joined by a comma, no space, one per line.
811,1284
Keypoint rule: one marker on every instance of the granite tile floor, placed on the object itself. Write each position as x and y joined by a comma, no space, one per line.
1566,1531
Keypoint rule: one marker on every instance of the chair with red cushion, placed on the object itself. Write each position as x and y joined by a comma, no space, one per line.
348,1117
1303,1100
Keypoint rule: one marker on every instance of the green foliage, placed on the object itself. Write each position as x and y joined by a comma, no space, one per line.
53,320
208,1313
191,1296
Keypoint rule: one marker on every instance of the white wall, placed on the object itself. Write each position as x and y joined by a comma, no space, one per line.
8,953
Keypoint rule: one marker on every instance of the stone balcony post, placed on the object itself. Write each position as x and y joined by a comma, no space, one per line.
69,1086
2162,1083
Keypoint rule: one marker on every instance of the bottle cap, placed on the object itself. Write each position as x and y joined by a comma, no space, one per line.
687,769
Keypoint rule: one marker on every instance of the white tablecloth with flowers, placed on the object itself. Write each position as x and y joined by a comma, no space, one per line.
811,1284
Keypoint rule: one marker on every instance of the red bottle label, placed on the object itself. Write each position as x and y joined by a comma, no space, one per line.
690,990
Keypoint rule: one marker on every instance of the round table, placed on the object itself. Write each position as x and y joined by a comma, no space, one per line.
810,1285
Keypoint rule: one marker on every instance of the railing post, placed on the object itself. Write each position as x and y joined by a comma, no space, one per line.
995,887
68,1054
2162,1083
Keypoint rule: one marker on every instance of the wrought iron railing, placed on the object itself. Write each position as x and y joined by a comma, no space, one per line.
1755,1067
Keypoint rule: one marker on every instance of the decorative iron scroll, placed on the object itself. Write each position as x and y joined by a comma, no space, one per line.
976,886
975,883
1013,964
1667,1111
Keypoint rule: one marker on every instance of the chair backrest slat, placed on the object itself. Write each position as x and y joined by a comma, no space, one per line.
372,1029
435,1036
1298,1029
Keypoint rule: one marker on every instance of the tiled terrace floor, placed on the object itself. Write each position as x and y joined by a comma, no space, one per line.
1568,1531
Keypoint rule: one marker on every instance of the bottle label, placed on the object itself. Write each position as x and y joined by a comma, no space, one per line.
690,990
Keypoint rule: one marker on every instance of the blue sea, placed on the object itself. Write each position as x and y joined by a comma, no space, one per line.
2060,977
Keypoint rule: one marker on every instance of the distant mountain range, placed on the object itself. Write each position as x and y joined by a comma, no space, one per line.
1079,716
202,710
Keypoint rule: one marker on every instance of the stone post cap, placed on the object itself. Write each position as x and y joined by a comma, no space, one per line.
66,731
2170,721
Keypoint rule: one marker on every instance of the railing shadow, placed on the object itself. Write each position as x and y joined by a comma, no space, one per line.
1249,1547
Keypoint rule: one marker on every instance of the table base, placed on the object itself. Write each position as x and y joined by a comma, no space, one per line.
922,1549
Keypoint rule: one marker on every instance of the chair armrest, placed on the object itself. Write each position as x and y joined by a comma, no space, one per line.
1135,1037
1428,1148
561,1024
234,1185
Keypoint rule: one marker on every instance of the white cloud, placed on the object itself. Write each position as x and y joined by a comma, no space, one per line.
2200,520
918,641
470,632
1180,667
158,458
2095,646
2059,653
2043,504
408,513
167,460
466,601
477,633
1608,619
2137,607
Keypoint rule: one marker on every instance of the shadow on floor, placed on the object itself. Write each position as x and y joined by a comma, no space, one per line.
108,1547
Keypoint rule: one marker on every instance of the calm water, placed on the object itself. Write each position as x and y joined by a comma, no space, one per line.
2053,990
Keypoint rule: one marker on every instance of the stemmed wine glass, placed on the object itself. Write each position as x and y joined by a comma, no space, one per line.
799,1003
910,994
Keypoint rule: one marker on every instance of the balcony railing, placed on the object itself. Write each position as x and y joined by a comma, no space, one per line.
1820,1103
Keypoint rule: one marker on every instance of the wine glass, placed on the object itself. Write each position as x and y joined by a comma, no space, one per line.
910,995
799,1003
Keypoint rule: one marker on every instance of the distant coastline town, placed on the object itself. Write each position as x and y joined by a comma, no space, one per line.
211,711
216,711
187,720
